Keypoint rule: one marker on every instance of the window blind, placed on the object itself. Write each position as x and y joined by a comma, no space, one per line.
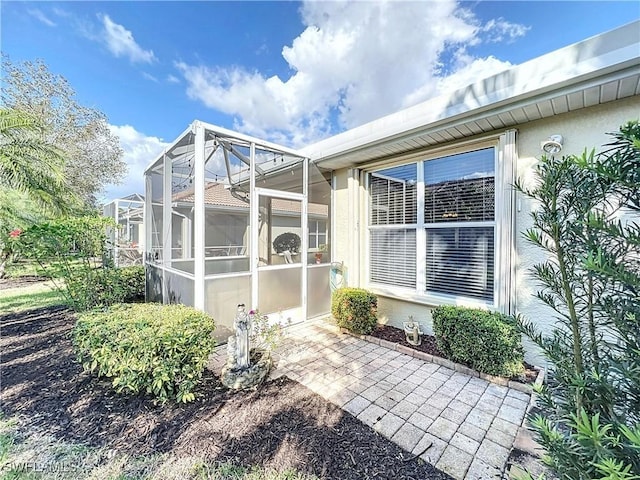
460,188
393,195
393,257
460,261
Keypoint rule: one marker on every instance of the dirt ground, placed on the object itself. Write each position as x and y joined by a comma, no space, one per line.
282,425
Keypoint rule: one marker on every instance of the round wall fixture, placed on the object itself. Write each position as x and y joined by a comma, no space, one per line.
552,145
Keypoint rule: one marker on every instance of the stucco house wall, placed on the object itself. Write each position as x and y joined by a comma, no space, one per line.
586,128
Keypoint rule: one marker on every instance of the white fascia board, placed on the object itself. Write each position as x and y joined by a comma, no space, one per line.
601,55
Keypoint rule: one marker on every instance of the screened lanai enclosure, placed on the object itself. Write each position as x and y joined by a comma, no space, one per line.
126,240
233,219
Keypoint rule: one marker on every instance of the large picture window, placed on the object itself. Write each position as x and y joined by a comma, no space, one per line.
432,226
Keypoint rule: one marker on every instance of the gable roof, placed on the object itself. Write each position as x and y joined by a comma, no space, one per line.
597,70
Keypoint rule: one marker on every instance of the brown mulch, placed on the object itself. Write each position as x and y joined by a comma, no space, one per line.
21,281
428,345
282,425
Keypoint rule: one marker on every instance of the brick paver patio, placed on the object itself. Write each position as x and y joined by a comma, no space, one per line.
463,425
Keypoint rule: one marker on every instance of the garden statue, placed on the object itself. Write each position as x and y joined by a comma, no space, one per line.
232,354
412,332
242,326
245,368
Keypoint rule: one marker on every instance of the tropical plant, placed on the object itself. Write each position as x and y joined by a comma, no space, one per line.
28,162
31,181
587,223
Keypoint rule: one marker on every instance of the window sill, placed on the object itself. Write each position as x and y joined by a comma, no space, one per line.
410,295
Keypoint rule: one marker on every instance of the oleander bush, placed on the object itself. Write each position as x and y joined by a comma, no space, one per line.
587,224
355,309
486,341
146,347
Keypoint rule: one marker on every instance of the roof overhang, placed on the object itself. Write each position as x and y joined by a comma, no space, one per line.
598,70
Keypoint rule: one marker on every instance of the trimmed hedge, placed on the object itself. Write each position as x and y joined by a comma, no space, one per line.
355,309
483,340
146,347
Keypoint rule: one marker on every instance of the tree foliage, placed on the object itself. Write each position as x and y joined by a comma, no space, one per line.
93,154
28,162
587,223
32,186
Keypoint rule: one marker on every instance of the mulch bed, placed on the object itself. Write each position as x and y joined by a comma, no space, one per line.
282,425
428,345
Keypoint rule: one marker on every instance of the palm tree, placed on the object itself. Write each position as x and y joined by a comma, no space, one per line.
31,167
28,163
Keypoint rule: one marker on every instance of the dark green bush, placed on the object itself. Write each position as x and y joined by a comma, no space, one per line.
483,340
355,309
132,283
146,347
101,287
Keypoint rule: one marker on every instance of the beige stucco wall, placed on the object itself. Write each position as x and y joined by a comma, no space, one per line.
585,128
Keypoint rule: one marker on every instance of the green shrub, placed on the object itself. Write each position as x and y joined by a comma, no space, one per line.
152,348
485,341
355,309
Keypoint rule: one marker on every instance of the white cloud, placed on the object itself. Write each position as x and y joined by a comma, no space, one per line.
500,30
39,15
172,79
354,62
139,151
121,43
150,77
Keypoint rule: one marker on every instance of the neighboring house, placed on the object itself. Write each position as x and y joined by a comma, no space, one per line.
421,205
433,216
126,242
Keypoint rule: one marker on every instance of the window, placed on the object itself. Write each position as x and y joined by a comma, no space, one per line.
439,242
317,233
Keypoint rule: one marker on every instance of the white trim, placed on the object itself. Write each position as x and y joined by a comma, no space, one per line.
254,217
268,192
227,275
199,217
420,294
304,259
421,233
431,153
409,295
176,271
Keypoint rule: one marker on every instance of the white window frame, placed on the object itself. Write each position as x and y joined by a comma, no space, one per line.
315,233
504,145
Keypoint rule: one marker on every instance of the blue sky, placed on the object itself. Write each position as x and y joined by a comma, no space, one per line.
288,71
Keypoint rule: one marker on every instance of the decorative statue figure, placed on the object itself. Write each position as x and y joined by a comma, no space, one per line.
232,354
242,326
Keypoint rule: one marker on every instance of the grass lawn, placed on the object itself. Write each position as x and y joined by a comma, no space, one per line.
38,295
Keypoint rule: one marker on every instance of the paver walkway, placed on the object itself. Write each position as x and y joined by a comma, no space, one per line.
463,425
